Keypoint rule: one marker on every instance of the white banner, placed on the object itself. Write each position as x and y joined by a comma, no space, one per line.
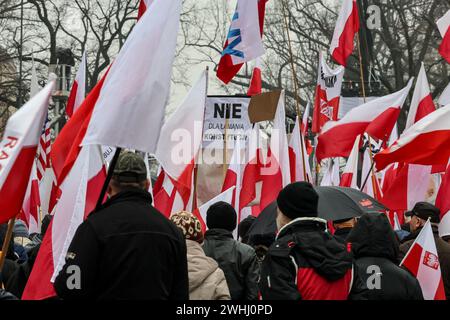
229,110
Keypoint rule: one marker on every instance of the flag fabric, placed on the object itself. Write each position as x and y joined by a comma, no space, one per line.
130,110
377,118
328,93
143,6
350,173
256,80
184,125
347,26
44,148
422,102
422,261
444,28
444,99
251,174
427,142
297,151
78,91
80,191
243,41
304,128
276,172
372,186
30,212
18,151
443,203
233,177
331,176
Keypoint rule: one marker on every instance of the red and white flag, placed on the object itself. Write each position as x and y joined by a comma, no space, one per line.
44,148
427,142
422,102
78,91
444,99
256,81
376,117
443,203
328,93
251,175
18,152
347,26
180,142
276,173
444,28
304,128
143,6
350,174
130,110
243,41
372,186
298,156
80,191
233,176
422,261
30,212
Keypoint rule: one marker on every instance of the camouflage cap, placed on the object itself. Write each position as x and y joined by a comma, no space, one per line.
130,167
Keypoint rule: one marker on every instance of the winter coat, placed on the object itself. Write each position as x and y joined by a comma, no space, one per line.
306,262
237,261
443,250
342,234
126,250
5,295
375,248
206,279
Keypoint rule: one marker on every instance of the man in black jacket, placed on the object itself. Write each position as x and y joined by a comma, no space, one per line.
305,262
237,260
127,249
375,248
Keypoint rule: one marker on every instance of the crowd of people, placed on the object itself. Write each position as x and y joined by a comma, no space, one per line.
128,250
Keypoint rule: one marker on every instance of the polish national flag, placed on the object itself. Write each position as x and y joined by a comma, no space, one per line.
331,176
422,261
350,174
164,195
376,117
80,191
143,6
225,196
18,151
276,172
427,142
328,93
130,110
233,176
347,26
298,165
443,203
251,175
444,28
180,142
422,103
244,39
256,81
78,91
30,212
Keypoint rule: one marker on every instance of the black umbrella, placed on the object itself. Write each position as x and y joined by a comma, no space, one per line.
339,203
264,227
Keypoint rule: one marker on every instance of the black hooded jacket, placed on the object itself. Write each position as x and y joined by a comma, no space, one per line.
306,262
127,250
375,248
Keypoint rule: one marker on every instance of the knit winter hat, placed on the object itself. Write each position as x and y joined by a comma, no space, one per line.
189,225
221,215
298,199
20,229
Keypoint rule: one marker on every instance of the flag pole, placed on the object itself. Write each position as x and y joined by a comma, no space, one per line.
194,202
111,167
296,86
361,70
6,242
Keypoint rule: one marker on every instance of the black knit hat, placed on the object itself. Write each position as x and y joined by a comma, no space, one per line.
221,215
298,199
